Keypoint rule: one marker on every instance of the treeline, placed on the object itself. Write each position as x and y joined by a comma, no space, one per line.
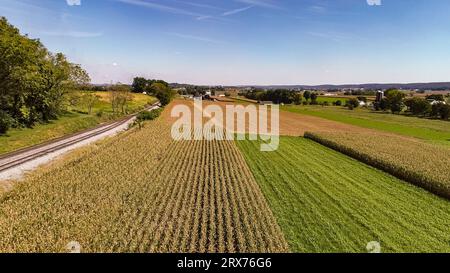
196,90
422,107
434,106
360,93
158,88
395,101
33,81
276,96
283,96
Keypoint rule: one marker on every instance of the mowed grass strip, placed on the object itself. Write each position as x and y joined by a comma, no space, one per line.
422,164
433,131
325,201
143,192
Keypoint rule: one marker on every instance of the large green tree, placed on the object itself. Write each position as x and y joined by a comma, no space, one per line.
418,106
33,81
394,99
139,85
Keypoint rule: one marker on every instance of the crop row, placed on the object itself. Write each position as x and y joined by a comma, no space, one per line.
325,201
142,192
422,164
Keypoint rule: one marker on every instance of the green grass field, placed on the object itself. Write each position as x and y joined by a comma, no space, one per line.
343,99
75,120
327,202
435,131
330,100
69,123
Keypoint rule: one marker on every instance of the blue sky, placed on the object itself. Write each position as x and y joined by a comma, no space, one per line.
232,42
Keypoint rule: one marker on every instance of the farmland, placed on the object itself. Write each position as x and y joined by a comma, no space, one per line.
423,164
291,124
222,132
142,192
74,120
433,131
327,202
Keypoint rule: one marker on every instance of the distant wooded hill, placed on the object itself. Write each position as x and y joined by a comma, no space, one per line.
410,86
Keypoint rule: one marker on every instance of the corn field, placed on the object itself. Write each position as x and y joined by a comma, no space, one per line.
142,192
422,164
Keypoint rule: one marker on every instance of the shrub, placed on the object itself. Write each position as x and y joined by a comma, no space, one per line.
362,98
440,110
438,97
165,96
352,103
297,98
383,105
444,111
418,106
149,115
5,122
337,103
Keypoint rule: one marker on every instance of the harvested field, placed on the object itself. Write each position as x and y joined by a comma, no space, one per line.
328,202
423,164
142,192
291,124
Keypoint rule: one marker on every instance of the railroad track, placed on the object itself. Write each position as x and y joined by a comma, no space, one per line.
20,157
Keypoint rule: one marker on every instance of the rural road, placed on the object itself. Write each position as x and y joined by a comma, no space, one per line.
14,165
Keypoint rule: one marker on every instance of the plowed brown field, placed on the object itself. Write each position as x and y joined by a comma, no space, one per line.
291,124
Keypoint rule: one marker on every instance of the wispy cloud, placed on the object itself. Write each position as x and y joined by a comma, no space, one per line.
73,2
73,34
235,11
318,9
160,7
200,5
184,11
204,17
196,38
374,2
336,37
261,3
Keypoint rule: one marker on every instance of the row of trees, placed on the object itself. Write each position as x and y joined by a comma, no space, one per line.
422,107
33,81
276,96
158,88
396,101
283,96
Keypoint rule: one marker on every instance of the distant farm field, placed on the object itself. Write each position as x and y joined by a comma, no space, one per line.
433,131
327,202
142,192
291,124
